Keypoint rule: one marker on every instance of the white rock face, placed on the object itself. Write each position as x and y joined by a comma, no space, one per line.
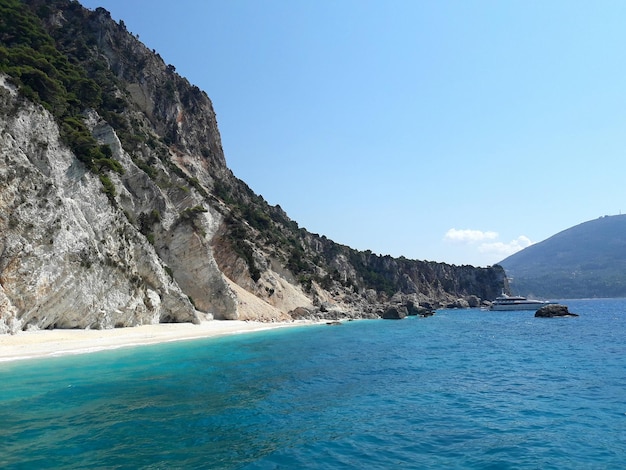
68,258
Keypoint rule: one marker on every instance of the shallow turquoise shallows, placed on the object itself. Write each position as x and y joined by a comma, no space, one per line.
463,389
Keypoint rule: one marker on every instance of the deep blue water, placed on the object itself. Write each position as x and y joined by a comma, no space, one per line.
462,389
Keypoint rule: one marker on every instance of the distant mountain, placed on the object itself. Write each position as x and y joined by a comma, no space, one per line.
587,260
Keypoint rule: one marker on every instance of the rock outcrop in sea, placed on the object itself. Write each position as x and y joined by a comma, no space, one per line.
117,207
554,310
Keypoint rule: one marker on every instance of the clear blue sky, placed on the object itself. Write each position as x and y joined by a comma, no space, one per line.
452,131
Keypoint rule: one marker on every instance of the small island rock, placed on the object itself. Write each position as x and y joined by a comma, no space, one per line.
554,310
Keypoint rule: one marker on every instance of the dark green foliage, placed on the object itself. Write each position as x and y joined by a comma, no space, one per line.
108,188
197,186
278,215
86,148
148,220
222,191
106,151
190,216
191,213
88,92
17,26
257,218
44,75
107,164
238,238
146,168
369,270
306,281
297,261
326,282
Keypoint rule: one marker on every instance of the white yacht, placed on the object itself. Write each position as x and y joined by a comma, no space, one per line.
516,302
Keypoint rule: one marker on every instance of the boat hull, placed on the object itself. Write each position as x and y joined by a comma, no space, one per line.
519,306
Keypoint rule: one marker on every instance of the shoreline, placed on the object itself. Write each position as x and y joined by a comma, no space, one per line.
54,343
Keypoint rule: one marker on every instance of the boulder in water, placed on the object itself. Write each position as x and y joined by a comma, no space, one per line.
554,310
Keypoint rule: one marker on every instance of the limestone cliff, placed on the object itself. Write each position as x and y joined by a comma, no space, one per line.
68,258
117,207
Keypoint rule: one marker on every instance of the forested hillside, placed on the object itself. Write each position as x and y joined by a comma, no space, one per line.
588,260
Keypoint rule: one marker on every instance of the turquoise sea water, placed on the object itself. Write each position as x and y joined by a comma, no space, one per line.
462,389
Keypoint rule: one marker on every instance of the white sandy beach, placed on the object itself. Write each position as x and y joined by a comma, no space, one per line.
50,343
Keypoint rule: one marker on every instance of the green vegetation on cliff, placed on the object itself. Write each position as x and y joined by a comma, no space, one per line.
44,75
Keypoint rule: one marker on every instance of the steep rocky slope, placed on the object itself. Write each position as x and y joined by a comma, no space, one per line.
117,207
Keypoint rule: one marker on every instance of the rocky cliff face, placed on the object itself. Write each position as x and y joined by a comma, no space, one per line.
68,258
117,207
